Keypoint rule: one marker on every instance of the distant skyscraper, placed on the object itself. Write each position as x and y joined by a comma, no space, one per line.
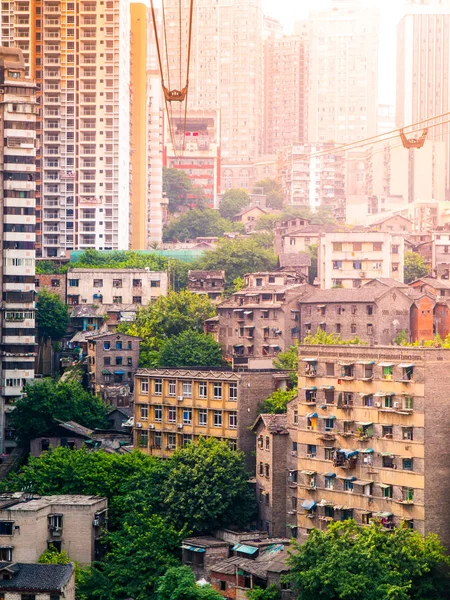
423,69
18,110
226,67
285,92
146,132
79,53
343,71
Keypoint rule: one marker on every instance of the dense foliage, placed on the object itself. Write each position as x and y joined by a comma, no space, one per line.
153,505
49,267
198,223
272,190
179,583
415,267
120,259
322,337
368,563
239,257
180,191
313,271
233,201
169,316
277,402
270,593
52,556
52,316
268,222
190,349
47,400
288,361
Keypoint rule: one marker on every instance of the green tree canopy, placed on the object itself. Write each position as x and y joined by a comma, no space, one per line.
190,349
47,400
52,316
207,487
277,402
369,563
330,339
52,556
288,361
120,259
198,223
48,267
178,583
415,267
169,316
180,191
233,201
272,190
312,273
239,257
270,593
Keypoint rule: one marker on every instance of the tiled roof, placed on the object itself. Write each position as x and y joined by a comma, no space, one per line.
74,427
388,281
274,423
439,284
292,259
362,294
206,274
316,228
36,577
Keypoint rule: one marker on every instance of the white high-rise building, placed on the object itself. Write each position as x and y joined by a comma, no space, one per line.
79,54
225,69
423,69
343,71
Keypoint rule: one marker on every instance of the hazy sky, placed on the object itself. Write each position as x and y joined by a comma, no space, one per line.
287,11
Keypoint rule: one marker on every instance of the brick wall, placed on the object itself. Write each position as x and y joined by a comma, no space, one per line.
56,284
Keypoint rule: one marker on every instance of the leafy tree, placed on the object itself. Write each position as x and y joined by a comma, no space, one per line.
52,316
52,556
121,259
190,349
238,257
272,190
288,361
195,223
401,339
277,402
267,222
48,267
368,563
169,316
270,593
207,487
322,337
312,273
233,201
415,267
46,400
178,583
180,191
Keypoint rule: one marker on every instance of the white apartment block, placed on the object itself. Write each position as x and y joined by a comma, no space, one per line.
343,71
79,53
18,110
349,259
226,67
115,286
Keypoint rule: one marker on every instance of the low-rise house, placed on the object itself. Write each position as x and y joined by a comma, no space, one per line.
176,406
54,283
249,215
29,524
272,439
211,283
296,263
201,553
22,581
262,319
113,359
300,239
393,224
136,287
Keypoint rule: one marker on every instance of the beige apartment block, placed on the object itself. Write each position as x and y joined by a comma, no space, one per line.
28,525
176,406
352,258
115,286
369,435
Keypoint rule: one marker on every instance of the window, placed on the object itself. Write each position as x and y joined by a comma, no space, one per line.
158,412
329,396
118,345
407,433
329,424
395,249
295,417
137,299
267,442
158,387
407,373
408,403
337,264
172,414
387,431
187,416
202,417
354,309
119,360
348,486
329,453
129,361
337,246
117,299
172,387
137,282
311,451
217,418
261,468
217,391
266,470
6,555
388,461
117,283
407,464
106,345
106,361
232,420
353,328
369,309
98,283
329,483
52,597
369,329
202,389
155,284
338,328
387,371
388,402
144,412
329,369
357,246
233,391
6,527
187,389
368,400
357,265
377,246
172,441
73,282
294,447
387,491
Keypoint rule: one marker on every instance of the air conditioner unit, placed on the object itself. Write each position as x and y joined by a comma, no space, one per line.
180,398
294,453
309,427
396,404
139,425
378,404
151,426
96,523
309,456
180,425
362,274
